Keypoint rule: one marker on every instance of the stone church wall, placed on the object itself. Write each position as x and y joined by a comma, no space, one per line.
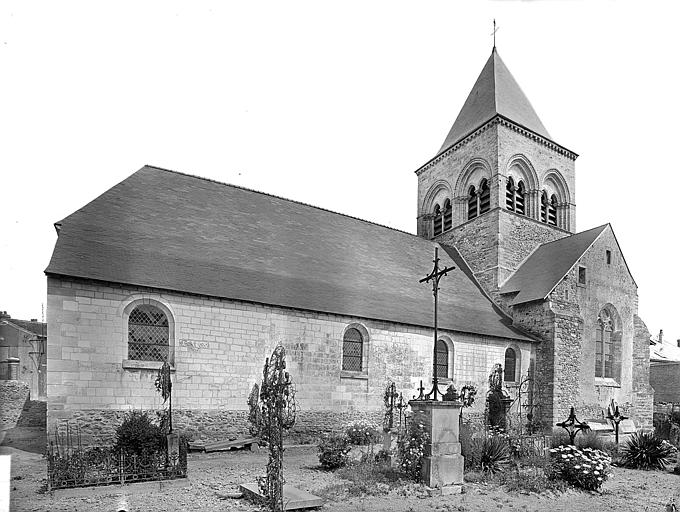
220,348
576,308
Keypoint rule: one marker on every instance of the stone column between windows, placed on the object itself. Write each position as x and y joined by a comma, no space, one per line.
533,209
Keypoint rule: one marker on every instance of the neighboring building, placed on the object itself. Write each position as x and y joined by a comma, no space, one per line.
22,353
664,371
213,276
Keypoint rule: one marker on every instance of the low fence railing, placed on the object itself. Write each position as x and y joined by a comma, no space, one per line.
105,466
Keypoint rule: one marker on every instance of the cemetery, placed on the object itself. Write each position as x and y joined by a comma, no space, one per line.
427,453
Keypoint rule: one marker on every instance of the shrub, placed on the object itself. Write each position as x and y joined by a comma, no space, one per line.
494,454
362,433
137,435
586,468
333,451
411,450
646,451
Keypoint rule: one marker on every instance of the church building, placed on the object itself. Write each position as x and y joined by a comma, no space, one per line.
212,277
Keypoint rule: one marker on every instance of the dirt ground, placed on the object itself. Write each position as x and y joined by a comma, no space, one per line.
213,475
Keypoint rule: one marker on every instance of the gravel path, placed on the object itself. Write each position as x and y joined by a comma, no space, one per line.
214,475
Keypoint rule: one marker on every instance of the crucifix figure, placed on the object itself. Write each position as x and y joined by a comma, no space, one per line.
495,29
434,276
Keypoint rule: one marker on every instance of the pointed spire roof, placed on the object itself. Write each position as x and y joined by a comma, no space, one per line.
495,93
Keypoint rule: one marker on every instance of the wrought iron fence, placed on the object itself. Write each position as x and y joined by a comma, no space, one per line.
77,467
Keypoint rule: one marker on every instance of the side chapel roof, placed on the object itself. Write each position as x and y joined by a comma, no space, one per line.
168,230
495,93
547,265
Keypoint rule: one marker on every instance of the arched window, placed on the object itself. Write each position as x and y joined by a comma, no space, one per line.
148,334
552,211
519,198
510,194
604,347
448,215
484,196
352,350
437,222
442,360
544,207
510,372
472,203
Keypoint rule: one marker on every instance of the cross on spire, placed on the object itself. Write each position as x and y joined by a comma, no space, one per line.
495,29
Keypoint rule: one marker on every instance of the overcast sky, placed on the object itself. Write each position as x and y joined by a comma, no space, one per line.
331,103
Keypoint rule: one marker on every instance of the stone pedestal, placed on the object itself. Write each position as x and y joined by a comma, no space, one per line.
443,464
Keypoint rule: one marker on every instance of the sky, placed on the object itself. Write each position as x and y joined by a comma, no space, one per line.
335,104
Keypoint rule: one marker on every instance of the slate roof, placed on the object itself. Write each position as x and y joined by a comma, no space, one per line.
495,93
172,231
547,265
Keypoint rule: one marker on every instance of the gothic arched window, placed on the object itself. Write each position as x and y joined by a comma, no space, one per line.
448,215
148,334
510,194
437,221
604,346
544,207
442,360
552,211
510,365
472,203
484,196
352,350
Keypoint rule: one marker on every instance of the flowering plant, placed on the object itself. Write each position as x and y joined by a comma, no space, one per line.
411,449
586,468
362,432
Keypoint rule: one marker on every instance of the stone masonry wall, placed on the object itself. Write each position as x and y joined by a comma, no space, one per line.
13,396
665,379
576,307
220,348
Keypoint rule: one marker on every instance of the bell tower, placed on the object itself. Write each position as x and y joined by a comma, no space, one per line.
499,185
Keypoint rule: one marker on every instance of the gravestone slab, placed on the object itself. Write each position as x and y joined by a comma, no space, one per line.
293,498
627,426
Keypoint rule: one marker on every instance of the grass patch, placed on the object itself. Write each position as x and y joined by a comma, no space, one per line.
364,479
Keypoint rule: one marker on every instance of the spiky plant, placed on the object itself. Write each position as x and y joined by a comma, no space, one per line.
494,454
646,451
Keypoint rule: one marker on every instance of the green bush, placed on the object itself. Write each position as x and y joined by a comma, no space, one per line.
586,468
138,435
362,433
333,451
646,451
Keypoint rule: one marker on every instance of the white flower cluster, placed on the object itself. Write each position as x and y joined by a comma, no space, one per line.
587,468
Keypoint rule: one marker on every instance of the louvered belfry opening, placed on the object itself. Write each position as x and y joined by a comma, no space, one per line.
352,350
437,222
552,211
148,334
442,360
510,195
484,196
519,198
448,215
472,203
544,207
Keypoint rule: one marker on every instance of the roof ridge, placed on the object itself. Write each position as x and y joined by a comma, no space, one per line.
283,198
573,234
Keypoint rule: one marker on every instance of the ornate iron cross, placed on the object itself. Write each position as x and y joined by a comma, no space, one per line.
434,276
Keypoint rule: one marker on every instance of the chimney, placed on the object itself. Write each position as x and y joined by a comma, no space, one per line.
4,315
678,342
34,319
661,336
